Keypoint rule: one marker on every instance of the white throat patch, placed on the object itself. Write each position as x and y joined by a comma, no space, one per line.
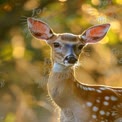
58,67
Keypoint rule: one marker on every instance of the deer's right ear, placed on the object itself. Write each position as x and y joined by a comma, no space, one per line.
39,29
95,34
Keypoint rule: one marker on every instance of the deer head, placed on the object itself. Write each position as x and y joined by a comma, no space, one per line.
66,47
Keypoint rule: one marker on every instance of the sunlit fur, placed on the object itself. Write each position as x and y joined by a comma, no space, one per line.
80,102
77,102
58,54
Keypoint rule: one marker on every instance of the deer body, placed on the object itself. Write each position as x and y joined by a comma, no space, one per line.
76,99
77,102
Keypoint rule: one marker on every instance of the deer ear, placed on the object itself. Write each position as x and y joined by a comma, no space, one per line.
39,29
95,33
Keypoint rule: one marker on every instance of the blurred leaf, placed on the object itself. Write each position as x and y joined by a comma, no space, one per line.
10,117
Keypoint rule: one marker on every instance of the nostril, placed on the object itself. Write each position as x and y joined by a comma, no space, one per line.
67,58
71,59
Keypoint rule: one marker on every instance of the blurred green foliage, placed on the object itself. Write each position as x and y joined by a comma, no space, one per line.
25,63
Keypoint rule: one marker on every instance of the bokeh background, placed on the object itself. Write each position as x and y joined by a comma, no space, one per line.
25,62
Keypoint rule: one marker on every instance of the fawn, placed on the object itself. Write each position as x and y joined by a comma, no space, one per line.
77,102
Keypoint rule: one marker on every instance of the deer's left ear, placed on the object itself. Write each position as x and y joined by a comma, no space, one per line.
39,29
95,33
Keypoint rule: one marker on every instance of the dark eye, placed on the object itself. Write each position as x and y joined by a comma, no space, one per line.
80,47
56,44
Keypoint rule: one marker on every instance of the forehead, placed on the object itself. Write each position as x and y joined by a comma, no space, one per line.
69,38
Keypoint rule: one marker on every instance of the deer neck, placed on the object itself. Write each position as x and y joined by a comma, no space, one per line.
60,83
61,73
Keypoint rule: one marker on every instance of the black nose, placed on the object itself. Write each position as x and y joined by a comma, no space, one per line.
71,59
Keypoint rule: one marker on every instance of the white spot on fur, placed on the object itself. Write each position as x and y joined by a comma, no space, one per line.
99,91
81,86
107,113
102,88
102,112
94,116
95,109
89,104
114,113
107,97
91,89
106,103
98,101
113,98
85,88
102,121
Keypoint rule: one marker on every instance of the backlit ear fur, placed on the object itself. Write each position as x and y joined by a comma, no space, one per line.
95,33
39,29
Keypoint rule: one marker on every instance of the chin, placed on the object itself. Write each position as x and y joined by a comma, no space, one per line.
69,65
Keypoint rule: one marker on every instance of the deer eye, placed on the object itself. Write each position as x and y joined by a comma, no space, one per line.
56,44
80,47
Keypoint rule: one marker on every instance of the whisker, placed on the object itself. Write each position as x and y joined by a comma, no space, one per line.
24,17
21,19
24,22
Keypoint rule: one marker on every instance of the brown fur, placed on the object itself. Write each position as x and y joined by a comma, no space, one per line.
77,102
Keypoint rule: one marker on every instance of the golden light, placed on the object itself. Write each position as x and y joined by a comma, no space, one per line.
93,11
85,7
90,10
18,52
35,43
95,2
120,36
62,0
105,40
102,19
7,7
30,4
115,25
18,46
10,117
119,2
